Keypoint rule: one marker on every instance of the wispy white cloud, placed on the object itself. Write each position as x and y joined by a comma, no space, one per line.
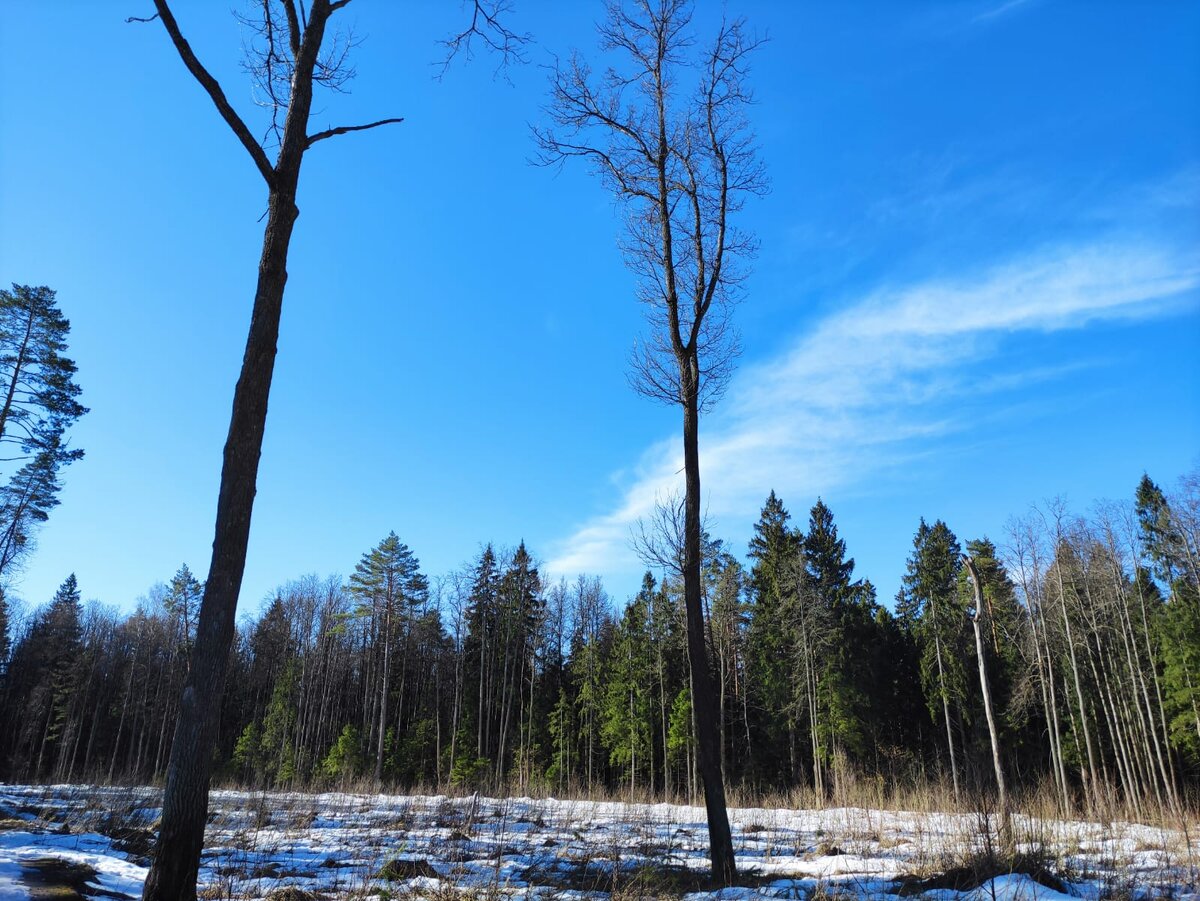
874,382
1000,9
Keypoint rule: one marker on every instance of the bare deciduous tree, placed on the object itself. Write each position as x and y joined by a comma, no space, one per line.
977,612
658,539
288,56
666,131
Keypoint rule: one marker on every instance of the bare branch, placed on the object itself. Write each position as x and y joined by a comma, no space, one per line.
141,18
276,35
214,91
346,129
487,28
658,539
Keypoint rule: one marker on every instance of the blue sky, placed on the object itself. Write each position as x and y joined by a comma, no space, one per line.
977,288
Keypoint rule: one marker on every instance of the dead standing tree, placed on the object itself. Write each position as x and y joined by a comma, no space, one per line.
291,56
979,609
666,132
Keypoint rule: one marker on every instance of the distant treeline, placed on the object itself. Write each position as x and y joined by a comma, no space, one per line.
490,678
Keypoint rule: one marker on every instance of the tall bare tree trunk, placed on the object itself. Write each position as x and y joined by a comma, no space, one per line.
173,874
185,803
703,702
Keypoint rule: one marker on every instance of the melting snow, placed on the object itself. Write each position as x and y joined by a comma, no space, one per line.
383,845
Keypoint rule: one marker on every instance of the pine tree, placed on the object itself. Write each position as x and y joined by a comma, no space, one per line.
38,404
389,586
182,603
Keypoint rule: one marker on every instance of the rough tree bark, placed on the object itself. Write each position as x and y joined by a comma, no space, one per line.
286,70
704,702
185,802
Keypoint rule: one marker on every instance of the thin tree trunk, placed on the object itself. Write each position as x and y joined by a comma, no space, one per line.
18,364
1092,787
1006,834
937,645
385,690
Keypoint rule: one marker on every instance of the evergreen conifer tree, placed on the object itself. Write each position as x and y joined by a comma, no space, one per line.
846,680
626,718
182,603
389,586
483,615
38,404
934,612
45,674
774,550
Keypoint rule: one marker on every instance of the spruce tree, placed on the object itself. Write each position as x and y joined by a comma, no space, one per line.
1160,537
478,653
934,612
846,680
626,716
46,673
774,550
344,760
1005,624
1165,543
521,612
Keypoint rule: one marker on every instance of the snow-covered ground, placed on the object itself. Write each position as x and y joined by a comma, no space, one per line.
293,847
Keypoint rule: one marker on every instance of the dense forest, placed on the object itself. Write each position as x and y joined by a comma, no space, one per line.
492,678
